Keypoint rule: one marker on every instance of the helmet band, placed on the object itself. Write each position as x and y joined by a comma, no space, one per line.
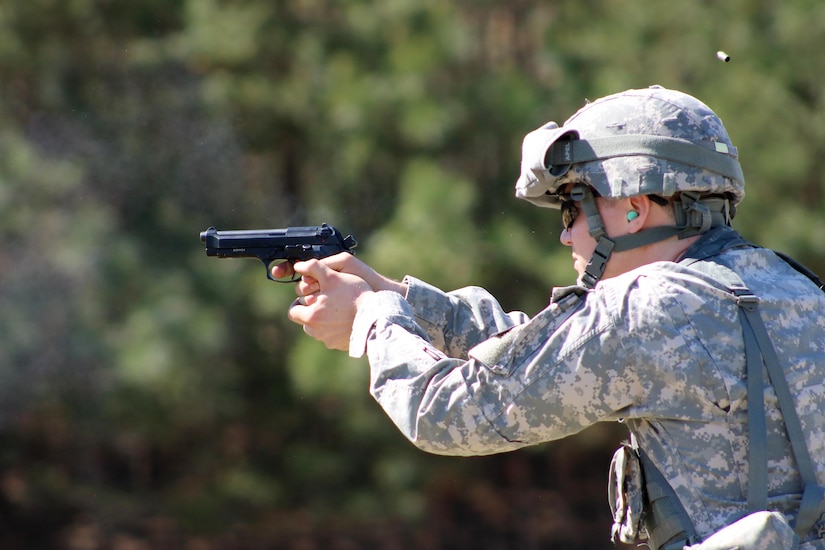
721,159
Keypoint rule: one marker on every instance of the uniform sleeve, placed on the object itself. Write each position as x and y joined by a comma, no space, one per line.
543,379
456,321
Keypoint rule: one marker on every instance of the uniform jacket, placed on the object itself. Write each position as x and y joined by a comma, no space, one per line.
659,348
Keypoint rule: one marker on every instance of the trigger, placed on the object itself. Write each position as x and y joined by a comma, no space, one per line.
295,277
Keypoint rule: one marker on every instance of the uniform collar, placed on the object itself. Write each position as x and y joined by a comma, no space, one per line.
714,242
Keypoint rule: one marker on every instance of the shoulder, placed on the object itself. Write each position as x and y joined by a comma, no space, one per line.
665,304
652,283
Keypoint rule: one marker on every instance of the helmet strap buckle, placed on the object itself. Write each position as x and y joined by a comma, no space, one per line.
598,262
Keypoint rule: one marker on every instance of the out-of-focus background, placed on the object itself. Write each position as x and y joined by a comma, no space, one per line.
151,397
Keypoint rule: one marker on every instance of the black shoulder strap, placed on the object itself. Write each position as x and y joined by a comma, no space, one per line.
802,269
668,524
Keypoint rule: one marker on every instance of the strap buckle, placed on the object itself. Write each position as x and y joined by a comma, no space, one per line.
745,299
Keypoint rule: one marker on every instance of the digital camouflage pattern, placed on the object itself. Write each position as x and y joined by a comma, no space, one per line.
659,347
653,111
759,531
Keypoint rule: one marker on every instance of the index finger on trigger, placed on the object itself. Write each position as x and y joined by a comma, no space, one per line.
282,270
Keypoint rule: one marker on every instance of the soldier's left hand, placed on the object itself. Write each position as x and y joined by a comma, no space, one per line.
327,312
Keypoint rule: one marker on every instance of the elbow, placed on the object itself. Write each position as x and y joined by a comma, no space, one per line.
452,439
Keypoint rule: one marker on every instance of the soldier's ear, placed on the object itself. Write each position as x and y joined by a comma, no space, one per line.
637,213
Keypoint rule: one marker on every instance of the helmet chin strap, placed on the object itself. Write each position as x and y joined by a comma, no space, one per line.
693,217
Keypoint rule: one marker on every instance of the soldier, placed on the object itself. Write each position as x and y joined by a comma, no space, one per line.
656,333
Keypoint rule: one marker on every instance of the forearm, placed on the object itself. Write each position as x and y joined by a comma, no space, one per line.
421,390
457,321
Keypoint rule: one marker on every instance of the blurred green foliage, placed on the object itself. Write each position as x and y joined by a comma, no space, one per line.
153,398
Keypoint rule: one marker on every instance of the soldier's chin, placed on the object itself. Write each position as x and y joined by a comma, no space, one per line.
579,266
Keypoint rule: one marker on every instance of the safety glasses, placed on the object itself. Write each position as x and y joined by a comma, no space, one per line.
569,210
569,213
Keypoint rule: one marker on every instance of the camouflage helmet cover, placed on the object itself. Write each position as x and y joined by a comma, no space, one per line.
637,142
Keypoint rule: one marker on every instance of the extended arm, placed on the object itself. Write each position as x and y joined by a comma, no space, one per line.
458,320
531,384
454,322
543,379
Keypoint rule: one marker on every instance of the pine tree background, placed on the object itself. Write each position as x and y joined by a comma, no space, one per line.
153,398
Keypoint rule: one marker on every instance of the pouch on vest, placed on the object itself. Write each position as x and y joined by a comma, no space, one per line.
624,493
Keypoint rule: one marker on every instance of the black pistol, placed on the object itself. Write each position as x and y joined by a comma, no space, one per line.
291,244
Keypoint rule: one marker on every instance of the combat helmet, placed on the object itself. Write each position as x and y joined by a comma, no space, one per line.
657,142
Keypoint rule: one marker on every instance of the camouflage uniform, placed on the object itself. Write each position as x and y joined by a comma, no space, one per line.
660,347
